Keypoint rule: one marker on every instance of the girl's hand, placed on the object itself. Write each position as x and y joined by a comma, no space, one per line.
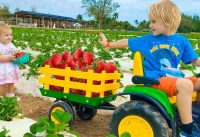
103,40
11,58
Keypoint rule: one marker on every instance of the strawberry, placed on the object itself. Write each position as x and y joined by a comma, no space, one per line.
63,65
98,67
72,65
80,64
67,57
48,62
59,77
78,53
56,88
19,54
110,67
88,57
94,94
56,59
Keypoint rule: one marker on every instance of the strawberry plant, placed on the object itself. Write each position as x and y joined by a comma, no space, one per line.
50,128
4,132
9,108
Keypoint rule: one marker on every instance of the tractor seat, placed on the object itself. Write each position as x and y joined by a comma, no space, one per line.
138,73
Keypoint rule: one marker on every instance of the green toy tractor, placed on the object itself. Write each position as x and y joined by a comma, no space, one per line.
150,112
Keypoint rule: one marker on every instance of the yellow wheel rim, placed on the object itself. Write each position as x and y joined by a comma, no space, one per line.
135,126
54,109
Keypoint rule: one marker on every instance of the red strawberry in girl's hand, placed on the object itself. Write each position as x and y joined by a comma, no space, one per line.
56,59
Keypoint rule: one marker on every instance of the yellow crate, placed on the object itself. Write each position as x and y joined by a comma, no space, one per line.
90,76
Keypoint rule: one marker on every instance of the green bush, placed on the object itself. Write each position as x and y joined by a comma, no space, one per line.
9,108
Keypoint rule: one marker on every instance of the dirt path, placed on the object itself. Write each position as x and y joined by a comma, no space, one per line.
35,107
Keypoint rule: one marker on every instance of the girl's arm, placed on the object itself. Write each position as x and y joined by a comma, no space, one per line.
196,62
116,44
7,58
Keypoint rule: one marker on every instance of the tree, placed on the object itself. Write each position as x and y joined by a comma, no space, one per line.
4,13
17,9
99,9
33,9
79,18
115,15
136,22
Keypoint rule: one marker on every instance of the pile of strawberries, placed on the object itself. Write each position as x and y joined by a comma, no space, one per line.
80,61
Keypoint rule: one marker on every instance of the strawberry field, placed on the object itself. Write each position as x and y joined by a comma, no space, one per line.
43,43
79,50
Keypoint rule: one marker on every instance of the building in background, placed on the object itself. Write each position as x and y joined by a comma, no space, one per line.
35,19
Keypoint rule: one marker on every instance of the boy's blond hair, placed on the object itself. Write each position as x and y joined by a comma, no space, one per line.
4,27
168,12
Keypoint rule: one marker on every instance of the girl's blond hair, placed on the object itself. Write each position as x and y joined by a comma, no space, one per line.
168,12
4,27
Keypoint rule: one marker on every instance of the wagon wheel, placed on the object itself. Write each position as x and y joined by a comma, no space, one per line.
64,106
139,119
85,113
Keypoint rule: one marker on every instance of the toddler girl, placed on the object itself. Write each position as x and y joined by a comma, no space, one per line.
9,71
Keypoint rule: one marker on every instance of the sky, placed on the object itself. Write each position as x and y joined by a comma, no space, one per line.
129,10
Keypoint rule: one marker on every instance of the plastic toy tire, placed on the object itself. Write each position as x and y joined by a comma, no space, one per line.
64,106
139,119
85,113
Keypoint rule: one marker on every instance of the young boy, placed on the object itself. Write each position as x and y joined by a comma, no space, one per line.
162,51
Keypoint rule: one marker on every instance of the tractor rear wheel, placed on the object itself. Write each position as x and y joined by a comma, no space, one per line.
139,119
64,106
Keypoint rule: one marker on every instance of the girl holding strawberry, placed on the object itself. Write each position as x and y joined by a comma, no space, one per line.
9,71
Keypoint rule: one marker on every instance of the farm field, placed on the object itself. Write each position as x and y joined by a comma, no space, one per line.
42,43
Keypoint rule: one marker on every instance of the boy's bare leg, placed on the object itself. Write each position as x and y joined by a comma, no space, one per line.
184,99
197,88
198,97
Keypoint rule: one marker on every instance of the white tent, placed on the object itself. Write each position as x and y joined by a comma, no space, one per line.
77,25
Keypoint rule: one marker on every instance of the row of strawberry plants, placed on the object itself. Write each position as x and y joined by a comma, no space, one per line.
50,41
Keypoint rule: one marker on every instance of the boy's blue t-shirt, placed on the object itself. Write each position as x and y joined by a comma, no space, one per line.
162,54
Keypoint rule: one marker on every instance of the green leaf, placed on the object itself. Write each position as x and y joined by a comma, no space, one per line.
66,117
57,115
33,128
45,121
125,134
62,127
28,135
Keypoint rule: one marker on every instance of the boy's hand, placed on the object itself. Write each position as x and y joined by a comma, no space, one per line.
103,40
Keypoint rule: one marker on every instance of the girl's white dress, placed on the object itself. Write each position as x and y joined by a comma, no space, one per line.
9,71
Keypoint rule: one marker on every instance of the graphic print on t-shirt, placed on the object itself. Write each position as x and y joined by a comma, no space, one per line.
167,57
